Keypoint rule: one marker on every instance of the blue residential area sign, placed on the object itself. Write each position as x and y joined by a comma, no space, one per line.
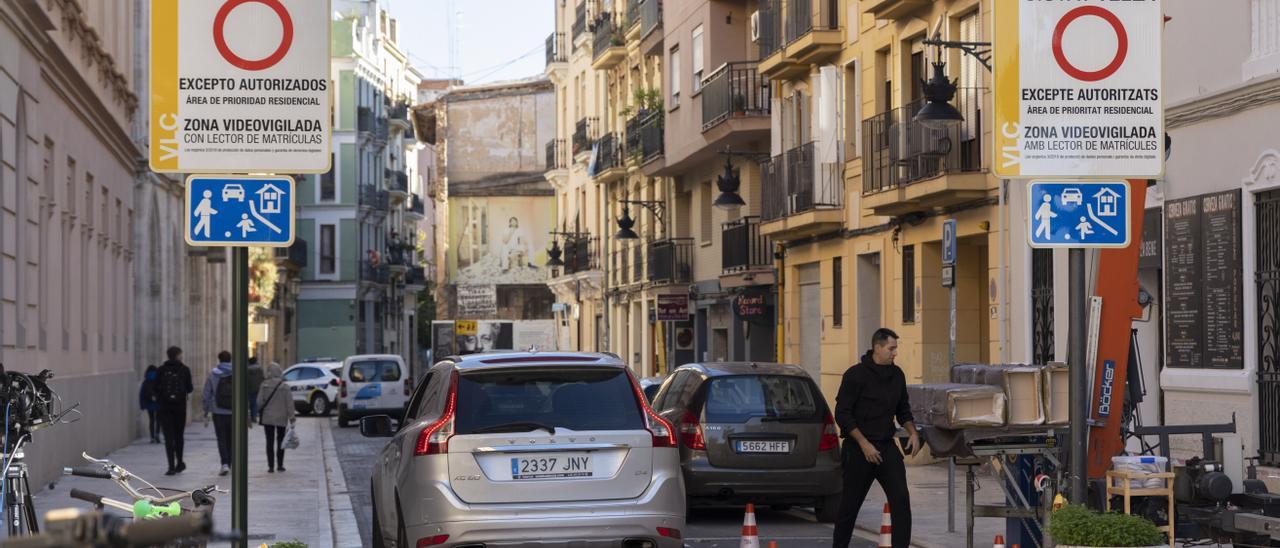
225,210
1081,214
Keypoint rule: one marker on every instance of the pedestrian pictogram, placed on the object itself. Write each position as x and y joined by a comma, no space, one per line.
227,210
1078,89
1079,214
240,86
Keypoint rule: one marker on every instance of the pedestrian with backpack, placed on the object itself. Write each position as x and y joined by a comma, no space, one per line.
275,407
256,377
147,402
218,401
172,385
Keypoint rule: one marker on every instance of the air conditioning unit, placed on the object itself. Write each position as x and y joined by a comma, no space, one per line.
755,26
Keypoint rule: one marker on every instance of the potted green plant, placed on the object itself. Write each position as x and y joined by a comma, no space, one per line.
1079,526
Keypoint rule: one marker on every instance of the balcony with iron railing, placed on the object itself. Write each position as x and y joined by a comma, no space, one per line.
908,166
580,256
651,136
803,191
373,198
610,162
808,33
579,22
397,185
671,261
651,26
416,277
585,132
556,52
417,208
742,248
769,27
631,19
734,91
398,115
557,155
608,44
374,272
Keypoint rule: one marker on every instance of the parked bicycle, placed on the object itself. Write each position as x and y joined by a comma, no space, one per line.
77,528
142,505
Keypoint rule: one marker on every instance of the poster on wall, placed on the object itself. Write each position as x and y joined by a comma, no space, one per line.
483,336
500,240
442,337
477,300
535,333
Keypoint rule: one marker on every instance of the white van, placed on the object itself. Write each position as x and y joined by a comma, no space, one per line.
373,384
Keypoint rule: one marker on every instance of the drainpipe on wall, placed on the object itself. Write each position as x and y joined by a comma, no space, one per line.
1003,287
780,268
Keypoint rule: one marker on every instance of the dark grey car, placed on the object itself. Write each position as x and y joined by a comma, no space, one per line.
754,432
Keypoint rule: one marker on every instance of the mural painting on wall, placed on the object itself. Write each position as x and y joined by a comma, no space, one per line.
500,240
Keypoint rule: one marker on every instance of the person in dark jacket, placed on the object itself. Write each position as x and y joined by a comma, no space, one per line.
147,402
173,384
256,376
221,415
872,394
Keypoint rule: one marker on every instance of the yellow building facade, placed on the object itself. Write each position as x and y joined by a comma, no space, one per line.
844,192
862,190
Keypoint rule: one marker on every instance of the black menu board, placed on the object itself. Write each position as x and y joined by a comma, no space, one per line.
1203,288
1221,266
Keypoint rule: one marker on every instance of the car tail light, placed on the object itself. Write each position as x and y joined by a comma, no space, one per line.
434,439
664,435
408,387
342,388
830,439
669,532
433,541
691,432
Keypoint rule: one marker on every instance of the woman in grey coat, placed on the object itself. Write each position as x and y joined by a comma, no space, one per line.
275,407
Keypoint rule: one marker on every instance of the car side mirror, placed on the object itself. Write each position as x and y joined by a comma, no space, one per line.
376,426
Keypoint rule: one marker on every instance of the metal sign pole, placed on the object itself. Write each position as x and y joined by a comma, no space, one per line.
240,400
1079,382
951,462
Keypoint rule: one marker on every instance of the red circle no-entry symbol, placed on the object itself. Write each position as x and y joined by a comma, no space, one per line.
220,41
1122,43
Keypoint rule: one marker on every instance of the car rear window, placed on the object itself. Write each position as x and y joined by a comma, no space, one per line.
374,371
574,399
739,398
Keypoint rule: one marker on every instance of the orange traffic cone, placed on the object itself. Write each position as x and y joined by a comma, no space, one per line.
773,544
750,536
886,529
999,542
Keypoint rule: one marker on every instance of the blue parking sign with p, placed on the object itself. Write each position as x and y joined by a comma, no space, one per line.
1079,214
232,211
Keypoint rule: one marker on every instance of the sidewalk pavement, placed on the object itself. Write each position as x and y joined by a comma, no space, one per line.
284,506
928,486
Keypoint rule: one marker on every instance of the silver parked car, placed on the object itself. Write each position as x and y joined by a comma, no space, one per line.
508,449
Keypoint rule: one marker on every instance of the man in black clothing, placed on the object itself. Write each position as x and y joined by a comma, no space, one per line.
872,394
173,384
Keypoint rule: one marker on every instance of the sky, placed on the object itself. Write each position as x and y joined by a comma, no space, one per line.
497,39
